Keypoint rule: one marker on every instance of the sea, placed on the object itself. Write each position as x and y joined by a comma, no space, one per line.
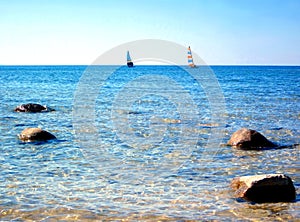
147,143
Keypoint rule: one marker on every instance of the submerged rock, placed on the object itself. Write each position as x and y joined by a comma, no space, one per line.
249,139
32,108
265,188
35,134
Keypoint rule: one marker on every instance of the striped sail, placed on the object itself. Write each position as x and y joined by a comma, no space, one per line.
190,58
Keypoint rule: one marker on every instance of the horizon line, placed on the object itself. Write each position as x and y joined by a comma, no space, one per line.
149,65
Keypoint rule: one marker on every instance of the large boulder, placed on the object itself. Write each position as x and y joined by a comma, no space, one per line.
265,188
32,108
249,139
35,134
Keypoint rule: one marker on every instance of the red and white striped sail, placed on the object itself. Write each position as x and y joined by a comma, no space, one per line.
190,58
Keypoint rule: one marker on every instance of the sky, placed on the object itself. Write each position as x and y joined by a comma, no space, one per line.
221,32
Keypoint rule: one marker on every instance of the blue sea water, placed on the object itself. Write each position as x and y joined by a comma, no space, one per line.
146,143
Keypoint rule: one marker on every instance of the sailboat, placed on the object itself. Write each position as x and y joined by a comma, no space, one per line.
129,62
190,58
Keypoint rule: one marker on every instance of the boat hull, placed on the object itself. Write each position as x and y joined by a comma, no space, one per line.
130,64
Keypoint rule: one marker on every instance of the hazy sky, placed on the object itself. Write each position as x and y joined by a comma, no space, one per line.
220,31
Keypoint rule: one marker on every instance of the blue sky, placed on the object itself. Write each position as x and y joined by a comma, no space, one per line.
220,31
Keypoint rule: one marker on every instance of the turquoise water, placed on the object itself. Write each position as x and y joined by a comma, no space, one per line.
142,143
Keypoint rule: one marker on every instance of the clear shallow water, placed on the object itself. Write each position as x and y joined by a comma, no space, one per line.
106,175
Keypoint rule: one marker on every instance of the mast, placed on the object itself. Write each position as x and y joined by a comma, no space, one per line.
190,58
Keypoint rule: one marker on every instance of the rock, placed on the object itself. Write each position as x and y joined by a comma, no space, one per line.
33,108
35,134
265,188
249,139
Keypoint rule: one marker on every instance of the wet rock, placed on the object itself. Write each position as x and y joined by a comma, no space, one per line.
35,134
249,139
32,108
265,188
